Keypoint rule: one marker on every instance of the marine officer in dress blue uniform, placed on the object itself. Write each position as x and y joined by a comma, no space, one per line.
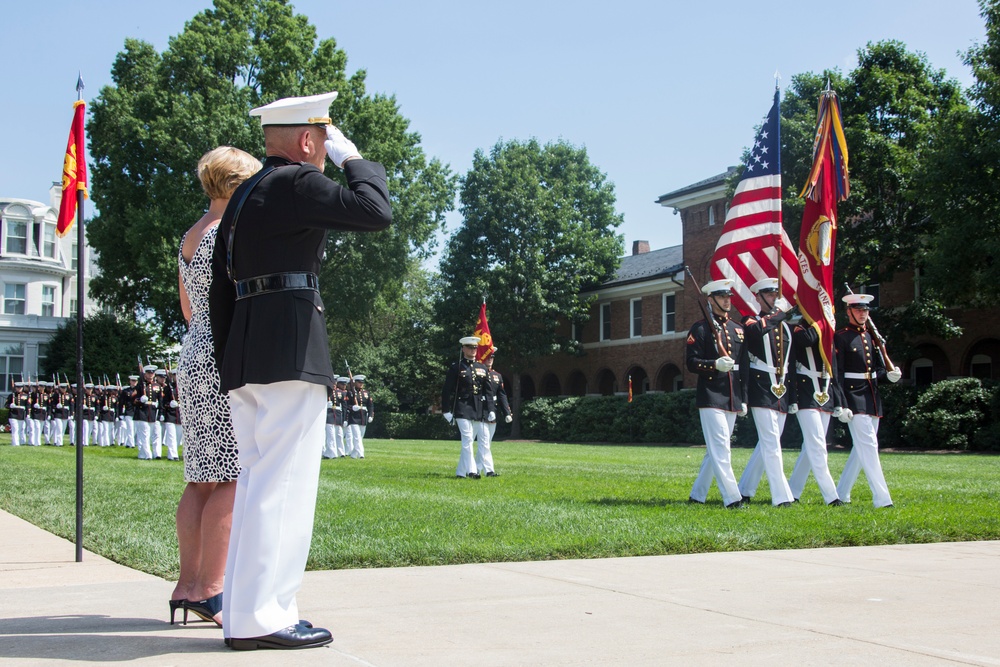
769,355
464,399
716,353
270,340
860,366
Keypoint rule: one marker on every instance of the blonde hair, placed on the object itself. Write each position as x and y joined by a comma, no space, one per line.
221,169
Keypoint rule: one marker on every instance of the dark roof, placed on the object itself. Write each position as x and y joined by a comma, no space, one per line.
700,185
648,265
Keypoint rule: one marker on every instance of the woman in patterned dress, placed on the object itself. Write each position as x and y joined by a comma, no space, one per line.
211,464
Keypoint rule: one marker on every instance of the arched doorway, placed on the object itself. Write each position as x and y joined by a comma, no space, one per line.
640,381
669,378
931,365
606,383
527,388
577,384
982,360
550,385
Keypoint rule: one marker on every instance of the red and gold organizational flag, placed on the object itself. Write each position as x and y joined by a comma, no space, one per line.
485,339
74,177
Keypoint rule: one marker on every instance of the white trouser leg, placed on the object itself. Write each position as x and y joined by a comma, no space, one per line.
814,424
717,427
47,430
770,424
330,443
155,439
58,430
484,437
36,432
142,437
279,432
357,441
752,474
170,439
16,432
864,456
348,440
338,434
466,463
71,429
129,431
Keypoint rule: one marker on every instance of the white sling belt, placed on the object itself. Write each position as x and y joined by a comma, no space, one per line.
768,367
821,396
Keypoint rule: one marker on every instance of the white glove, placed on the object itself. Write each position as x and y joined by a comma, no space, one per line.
509,418
104,408
793,408
59,406
364,408
144,399
37,406
492,417
448,416
161,417
174,404
894,375
843,414
724,364
781,303
743,410
371,419
329,404
339,147
355,408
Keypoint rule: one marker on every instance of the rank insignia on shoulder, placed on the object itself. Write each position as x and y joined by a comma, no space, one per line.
690,340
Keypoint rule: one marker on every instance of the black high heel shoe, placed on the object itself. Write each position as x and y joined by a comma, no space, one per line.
204,609
174,606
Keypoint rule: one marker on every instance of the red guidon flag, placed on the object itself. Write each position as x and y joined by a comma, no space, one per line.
74,177
828,183
748,248
485,339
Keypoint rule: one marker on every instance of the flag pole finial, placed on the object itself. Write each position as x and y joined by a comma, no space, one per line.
777,78
79,85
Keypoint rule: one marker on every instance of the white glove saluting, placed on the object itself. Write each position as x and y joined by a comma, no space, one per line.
894,375
448,417
781,303
338,147
724,364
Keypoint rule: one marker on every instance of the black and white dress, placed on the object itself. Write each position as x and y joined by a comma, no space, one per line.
210,453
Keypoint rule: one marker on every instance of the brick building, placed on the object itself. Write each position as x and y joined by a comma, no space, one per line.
640,318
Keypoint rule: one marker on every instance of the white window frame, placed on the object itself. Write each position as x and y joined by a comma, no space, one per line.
631,317
711,216
23,299
50,247
664,328
8,223
5,358
50,292
605,320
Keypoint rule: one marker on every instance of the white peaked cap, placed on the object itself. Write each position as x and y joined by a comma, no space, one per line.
469,340
310,110
764,285
716,286
149,369
858,299
359,378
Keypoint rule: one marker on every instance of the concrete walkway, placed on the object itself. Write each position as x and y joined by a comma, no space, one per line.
933,604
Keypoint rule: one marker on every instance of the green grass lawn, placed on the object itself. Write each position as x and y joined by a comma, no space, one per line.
403,506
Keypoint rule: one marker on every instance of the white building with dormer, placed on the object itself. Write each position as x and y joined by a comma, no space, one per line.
38,277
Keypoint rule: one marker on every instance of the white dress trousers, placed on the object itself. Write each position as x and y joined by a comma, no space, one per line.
17,435
484,440
766,457
864,456
58,431
128,426
330,443
170,439
813,457
466,461
358,441
717,426
348,440
142,439
36,433
279,430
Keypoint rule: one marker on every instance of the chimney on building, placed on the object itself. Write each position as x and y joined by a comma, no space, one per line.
640,247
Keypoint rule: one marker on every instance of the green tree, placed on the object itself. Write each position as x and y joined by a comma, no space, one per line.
164,111
961,180
539,227
110,345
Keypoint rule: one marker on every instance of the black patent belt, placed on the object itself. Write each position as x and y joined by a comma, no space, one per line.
276,282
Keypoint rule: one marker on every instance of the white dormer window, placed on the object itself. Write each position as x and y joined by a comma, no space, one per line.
16,237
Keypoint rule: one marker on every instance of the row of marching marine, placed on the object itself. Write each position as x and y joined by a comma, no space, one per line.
764,364
349,410
473,398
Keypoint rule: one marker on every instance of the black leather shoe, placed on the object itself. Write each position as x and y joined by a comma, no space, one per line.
745,500
836,502
787,503
292,637
493,473
475,475
692,501
735,505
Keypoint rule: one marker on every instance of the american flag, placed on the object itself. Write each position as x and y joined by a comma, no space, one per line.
747,250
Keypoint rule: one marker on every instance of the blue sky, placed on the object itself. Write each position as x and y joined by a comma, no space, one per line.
662,94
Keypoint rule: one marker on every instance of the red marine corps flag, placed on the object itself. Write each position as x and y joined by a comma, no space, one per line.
483,331
828,183
74,177
748,248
